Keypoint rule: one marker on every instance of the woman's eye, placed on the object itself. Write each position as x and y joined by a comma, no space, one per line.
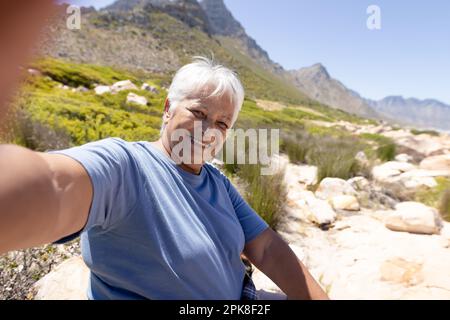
198,114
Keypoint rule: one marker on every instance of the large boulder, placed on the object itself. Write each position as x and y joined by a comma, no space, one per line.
134,98
320,212
333,187
123,85
385,172
301,174
414,217
404,158
422,144
99,90
68,281
437,163
344,202
403,179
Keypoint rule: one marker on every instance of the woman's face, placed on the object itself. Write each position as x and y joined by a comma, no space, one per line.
196,130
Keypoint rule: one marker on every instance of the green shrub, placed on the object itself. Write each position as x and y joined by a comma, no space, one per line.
296,146
430,132
437,197
386,148
36,136
80,117
335,158
265,194
75,74
444,206
387,152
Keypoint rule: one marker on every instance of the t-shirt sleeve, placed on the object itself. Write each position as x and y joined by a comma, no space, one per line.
115,179
252,224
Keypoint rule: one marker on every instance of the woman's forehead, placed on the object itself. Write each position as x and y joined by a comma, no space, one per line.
213,103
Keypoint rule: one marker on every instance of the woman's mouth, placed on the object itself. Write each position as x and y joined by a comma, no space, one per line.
200,143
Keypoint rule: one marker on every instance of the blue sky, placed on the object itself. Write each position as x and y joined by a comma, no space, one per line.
409,56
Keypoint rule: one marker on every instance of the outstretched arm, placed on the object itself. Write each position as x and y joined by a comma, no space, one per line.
43,197
273,256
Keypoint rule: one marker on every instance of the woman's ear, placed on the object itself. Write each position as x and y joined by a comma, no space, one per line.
166,105
167,111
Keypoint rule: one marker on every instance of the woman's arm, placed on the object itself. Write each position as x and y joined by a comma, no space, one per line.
273,256
43,197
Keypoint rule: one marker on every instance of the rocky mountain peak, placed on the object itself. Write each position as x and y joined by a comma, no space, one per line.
316,71
187,11
221,19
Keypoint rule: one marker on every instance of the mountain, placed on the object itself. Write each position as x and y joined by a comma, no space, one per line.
159,36
317,83
225,27
188,11
428,114
212,17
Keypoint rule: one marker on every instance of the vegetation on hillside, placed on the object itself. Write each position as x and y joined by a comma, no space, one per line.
48,116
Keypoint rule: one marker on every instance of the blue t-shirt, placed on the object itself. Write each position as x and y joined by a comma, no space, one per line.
156,231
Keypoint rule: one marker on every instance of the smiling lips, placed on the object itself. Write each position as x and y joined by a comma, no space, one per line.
200,143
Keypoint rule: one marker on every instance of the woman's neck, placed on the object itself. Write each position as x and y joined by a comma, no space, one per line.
194,170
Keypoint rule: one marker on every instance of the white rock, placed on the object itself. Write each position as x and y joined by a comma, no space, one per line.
390,169
276,164
68,281
414,217
344,202
99,90
359,183
300,175
332,187
441,163
297,198
424,173
320,212
123,85
402,177
134,98
415,182
403,158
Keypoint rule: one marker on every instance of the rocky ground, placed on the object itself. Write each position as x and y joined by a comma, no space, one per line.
19,270
359,239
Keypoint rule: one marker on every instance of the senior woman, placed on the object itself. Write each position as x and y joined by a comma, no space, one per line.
153,225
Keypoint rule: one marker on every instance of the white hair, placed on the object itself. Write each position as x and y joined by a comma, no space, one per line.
203,72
